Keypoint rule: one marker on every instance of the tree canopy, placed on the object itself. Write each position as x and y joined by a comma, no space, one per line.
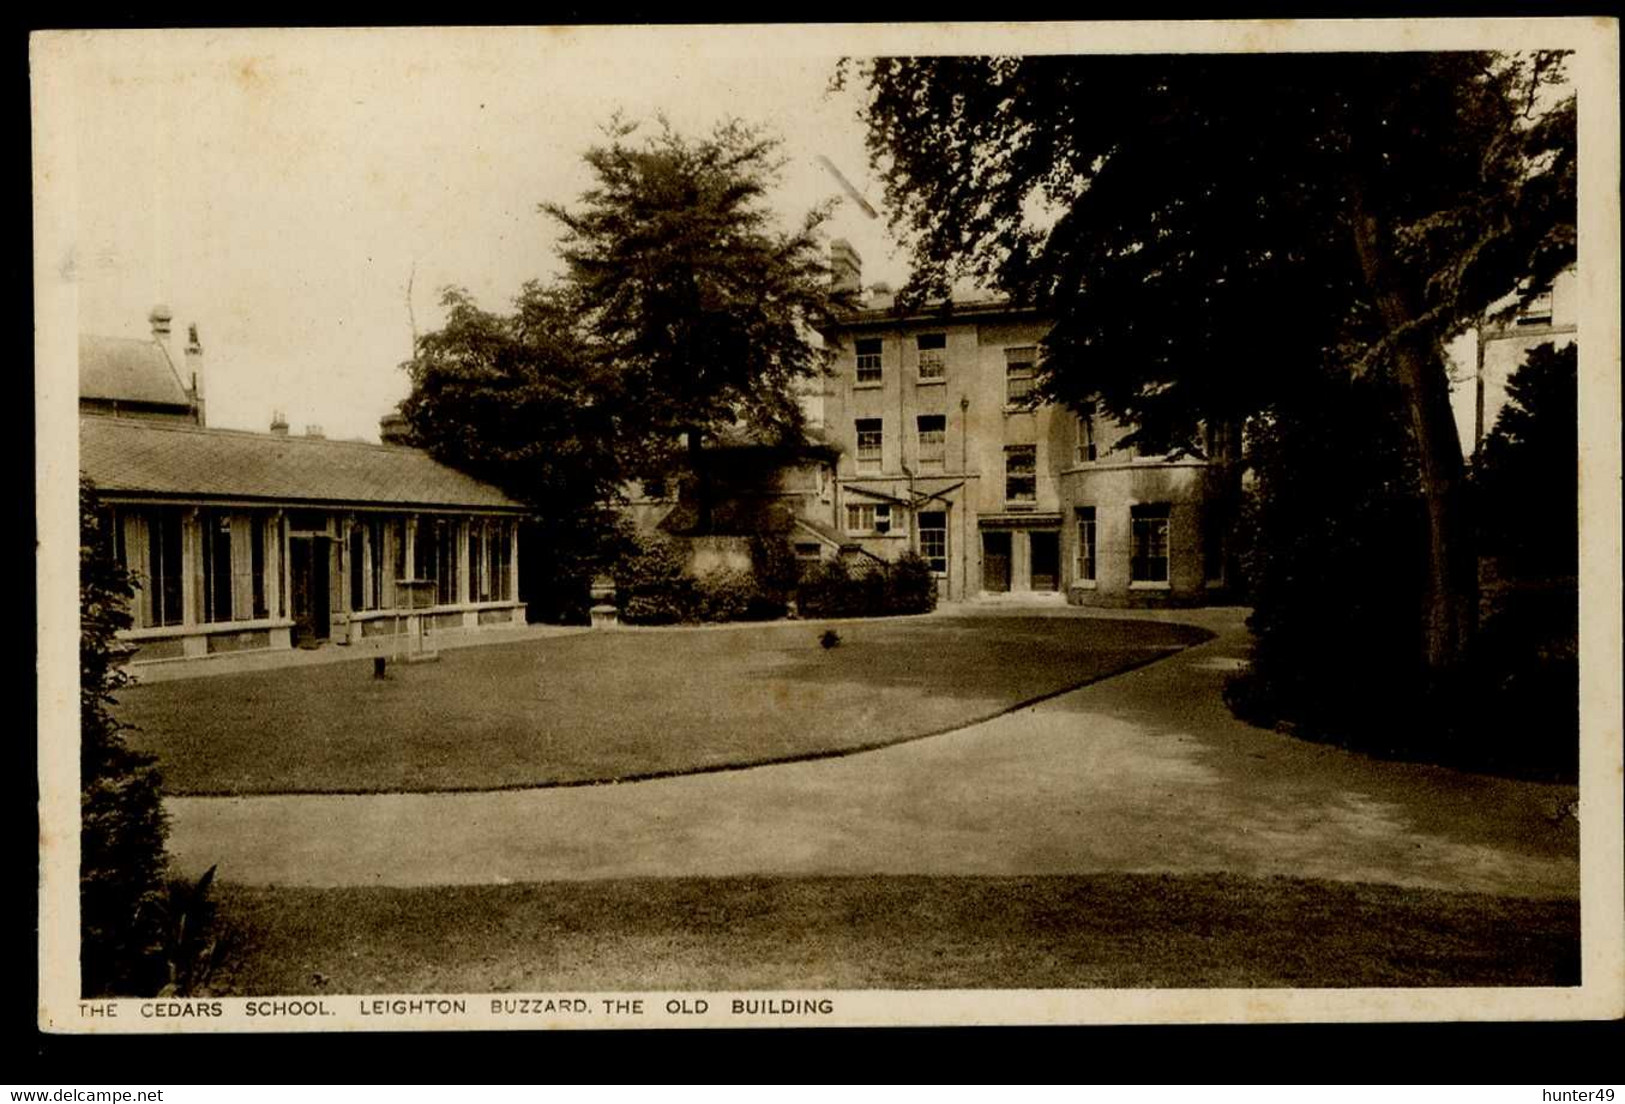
519,399
702,308
1191,220
1208,232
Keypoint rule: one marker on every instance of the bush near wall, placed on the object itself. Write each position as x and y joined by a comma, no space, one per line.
653,586
834,589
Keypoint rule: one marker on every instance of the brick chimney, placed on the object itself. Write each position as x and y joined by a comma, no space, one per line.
846,267
194,371
279,423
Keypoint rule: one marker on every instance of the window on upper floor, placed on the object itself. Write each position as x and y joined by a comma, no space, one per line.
1086,439
933,350
933,430
1021,473
1538,311
1020,365
870,440
869,372
873,517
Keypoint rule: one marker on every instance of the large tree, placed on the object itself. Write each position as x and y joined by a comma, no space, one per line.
1207,229
704,309
522,401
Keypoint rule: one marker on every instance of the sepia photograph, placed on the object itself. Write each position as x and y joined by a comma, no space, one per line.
738,526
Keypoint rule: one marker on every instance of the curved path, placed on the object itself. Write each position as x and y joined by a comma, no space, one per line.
1146,772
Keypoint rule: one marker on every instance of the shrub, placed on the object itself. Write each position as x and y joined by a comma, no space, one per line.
652,586
776,568
912,587
725,595
122,890
871,589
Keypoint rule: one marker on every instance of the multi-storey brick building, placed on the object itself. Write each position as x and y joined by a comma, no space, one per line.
943,453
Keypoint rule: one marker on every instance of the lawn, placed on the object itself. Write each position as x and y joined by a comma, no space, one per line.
1089,931
609,706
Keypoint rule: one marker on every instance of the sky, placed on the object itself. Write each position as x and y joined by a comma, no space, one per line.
280,189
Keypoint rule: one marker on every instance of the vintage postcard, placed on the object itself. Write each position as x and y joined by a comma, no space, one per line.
603,527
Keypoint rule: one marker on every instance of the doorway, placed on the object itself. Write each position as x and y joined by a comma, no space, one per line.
1046,560
308,590
996,562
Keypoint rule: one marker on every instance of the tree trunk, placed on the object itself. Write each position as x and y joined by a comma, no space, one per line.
1450,609
702,481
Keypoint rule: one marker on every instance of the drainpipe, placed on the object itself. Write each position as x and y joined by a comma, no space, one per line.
913,514
964,497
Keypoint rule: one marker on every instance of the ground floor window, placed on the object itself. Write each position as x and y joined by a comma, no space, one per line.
397,530
934,539
216,529
489,556
434,557
148,546
1212,548
367,539
1149,549
445,535
259,534
499,552
1086,544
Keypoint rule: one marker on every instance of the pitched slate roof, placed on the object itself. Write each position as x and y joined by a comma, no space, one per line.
128,369
132,456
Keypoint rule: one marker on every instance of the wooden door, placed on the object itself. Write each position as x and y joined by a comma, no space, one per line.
309,594
996,562
1045,561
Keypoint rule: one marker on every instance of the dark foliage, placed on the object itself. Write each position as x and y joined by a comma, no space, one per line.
1328,563
685,288
122,892
1526,476
521,401
652,583
1351,209
874,589
1328,532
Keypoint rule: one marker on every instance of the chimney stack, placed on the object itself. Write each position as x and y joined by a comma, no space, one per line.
846,267
194,371
393,430
279,423
159,318
312,430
